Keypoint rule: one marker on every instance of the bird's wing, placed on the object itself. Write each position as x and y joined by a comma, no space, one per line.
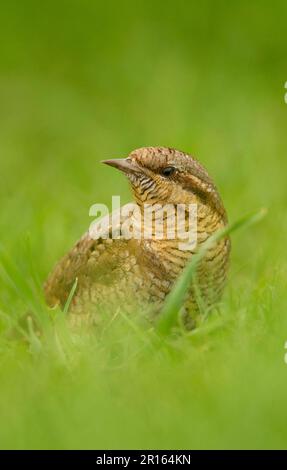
91,259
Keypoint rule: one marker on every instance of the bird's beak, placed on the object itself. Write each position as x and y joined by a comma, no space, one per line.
123,164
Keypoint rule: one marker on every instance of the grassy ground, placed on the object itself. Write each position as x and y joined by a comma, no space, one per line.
81,81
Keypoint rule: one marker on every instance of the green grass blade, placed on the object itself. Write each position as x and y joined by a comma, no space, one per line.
71,295
176,297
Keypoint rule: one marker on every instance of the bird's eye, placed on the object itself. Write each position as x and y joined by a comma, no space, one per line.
168,171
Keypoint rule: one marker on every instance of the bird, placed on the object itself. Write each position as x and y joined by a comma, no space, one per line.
112,271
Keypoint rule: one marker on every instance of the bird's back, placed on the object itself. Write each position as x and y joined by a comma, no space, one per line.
131,274
110,273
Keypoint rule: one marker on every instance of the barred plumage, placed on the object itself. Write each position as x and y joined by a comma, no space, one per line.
137,274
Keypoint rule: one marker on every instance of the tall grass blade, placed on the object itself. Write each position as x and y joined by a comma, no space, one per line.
71,295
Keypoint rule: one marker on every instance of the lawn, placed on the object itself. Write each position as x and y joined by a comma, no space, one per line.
81,81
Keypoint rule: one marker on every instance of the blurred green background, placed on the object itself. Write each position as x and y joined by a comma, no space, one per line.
81,81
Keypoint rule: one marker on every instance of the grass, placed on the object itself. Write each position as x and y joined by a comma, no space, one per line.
80,82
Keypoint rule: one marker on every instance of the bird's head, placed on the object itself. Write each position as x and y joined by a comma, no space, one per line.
167,176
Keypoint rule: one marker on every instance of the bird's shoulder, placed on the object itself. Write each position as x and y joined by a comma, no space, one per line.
96,257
